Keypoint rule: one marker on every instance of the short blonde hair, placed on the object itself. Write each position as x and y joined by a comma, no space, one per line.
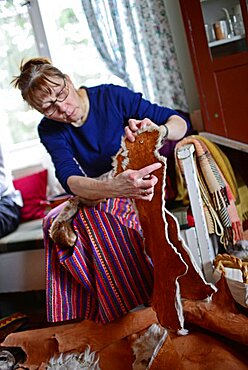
36,80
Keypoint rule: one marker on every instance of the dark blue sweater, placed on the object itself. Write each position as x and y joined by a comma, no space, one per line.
88,150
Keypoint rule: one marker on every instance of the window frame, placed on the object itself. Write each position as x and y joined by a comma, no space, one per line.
30,152
38,28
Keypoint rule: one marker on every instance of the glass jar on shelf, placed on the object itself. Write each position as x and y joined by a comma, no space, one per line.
224,27
237,20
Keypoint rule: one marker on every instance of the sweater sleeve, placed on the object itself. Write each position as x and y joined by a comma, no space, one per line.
135,106
54,137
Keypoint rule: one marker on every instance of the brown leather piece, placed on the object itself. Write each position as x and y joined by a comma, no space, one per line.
203,351
175,273
223,346
220,315
101,336
117,355
168,358
41,344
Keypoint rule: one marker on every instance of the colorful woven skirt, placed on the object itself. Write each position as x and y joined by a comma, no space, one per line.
106,274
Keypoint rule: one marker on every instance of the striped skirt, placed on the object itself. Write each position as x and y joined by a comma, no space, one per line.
106,274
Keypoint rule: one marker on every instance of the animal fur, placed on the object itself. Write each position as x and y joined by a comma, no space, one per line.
75,361
61,230
7,360
146,347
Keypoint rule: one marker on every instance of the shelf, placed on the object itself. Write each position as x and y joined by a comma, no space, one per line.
221,140
225,41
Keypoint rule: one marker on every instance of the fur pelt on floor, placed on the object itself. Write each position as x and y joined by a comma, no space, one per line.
74,361
7,360
146,346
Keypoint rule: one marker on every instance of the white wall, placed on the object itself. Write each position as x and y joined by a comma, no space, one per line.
182,50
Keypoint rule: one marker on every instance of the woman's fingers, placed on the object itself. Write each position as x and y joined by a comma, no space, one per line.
143,181
134,125
131,129
143,177
129,134
146,172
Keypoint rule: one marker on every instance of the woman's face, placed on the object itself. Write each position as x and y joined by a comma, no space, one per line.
64,103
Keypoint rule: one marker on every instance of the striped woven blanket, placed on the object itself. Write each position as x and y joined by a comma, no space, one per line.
217,186
106,274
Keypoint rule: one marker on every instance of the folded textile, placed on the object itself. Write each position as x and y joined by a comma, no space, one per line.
12,323
217,193
223,163
243,202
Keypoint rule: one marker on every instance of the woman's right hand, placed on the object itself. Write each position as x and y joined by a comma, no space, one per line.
137,184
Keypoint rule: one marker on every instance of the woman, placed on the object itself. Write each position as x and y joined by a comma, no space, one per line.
106,273
10,199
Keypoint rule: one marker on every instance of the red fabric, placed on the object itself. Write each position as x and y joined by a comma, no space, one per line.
190,218
33,189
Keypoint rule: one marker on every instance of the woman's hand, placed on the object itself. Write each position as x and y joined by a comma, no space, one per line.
176,125
137,184
134,126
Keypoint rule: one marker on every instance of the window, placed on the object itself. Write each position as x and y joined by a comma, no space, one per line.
58,30
70,43
17,41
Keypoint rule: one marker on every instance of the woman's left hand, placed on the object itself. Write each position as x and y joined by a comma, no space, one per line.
134,126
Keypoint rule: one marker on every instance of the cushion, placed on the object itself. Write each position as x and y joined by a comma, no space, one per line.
33,189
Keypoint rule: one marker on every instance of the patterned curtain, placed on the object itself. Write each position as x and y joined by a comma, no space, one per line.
104,23
148,56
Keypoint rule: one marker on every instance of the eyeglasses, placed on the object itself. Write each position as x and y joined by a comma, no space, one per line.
61,96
